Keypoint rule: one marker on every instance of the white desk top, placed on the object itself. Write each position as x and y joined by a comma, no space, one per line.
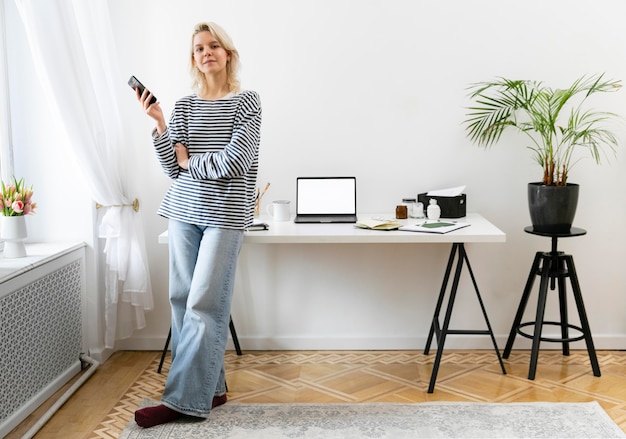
287,232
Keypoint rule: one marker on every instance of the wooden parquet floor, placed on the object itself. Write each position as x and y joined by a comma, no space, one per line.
369,376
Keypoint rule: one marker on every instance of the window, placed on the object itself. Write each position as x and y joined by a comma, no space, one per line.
6,149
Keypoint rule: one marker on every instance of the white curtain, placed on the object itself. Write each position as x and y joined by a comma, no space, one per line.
74,50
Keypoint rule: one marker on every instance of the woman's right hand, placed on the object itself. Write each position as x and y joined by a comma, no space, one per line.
152,110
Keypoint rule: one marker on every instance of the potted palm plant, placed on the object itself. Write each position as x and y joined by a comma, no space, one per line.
557,127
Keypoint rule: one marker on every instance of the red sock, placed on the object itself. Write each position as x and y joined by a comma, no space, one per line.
160,414
218,400
151,416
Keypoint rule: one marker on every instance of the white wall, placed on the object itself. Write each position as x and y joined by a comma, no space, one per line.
377,90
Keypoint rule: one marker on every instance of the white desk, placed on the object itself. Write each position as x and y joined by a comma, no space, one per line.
287,232
480,231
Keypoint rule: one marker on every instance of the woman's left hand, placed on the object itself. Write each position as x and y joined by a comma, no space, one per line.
182,155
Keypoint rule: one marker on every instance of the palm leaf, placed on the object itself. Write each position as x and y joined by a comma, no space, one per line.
535,110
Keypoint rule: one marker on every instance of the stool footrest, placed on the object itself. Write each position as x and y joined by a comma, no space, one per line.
552,339
468,331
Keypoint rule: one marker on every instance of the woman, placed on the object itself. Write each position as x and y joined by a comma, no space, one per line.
210,151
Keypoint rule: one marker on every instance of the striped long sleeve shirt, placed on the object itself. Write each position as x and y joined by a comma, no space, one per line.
223,138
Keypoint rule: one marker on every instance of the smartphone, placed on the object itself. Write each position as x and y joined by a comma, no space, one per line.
136,85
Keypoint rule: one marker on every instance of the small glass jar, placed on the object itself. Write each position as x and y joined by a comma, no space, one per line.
402,211
418,210
415,209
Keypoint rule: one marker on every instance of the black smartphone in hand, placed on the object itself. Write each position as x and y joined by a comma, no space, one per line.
136,85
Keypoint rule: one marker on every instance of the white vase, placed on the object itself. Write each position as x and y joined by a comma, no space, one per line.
13,233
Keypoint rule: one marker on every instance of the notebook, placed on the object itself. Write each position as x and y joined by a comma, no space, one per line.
325,200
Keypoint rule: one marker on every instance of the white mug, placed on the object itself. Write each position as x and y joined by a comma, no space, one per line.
279,210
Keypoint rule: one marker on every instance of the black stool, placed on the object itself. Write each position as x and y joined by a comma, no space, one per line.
553,266
233,334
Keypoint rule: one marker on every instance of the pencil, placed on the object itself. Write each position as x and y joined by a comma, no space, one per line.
264,190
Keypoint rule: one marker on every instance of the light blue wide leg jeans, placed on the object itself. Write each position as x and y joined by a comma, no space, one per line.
203,261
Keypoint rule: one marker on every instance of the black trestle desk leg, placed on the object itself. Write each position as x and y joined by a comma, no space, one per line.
441,339
164,353
443,331
434,327
233,334
484,311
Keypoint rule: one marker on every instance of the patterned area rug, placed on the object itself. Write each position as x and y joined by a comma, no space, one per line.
390,420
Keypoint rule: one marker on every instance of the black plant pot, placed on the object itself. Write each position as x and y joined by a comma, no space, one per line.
552,208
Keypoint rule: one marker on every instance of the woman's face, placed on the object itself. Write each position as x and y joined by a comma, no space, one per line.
209,56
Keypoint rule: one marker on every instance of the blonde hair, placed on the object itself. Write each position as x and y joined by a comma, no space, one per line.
232,66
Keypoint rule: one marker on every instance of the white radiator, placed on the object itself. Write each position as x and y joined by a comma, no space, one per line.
40,332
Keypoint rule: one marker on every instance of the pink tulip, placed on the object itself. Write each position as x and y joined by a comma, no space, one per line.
17,206
15,198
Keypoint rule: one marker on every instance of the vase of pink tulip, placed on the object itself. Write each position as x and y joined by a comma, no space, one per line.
15,204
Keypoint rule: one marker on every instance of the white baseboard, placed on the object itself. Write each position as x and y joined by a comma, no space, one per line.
101,354
260,343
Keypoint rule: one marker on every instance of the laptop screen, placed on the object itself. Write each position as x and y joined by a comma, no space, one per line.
325,195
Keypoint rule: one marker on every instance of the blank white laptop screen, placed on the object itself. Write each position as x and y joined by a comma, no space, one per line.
325,196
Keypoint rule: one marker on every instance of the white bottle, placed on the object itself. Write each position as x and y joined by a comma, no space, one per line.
433,211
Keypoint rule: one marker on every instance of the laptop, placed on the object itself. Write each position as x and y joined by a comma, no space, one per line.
325,200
